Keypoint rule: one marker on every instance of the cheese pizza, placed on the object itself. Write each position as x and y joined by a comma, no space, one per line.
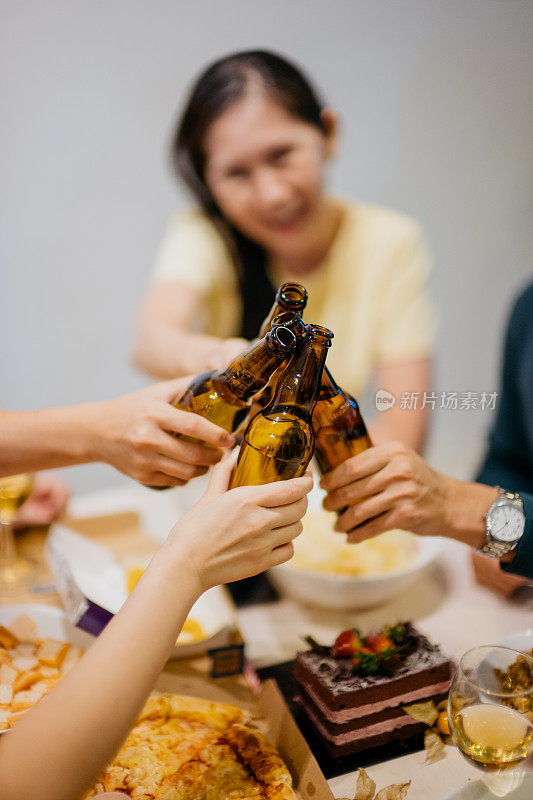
187,748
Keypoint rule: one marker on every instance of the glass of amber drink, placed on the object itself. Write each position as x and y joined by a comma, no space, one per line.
490,711
15,571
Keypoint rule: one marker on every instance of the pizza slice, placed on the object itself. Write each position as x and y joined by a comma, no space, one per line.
261,757
192,709
215,774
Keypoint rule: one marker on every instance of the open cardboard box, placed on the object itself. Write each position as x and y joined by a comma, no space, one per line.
89,559
270,715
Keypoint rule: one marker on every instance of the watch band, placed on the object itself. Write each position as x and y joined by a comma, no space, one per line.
497,549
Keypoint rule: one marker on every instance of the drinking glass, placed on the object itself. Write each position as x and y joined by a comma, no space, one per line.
490,712
15,571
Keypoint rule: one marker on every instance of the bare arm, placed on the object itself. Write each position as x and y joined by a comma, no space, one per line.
133,433
164,345
58,749
401,424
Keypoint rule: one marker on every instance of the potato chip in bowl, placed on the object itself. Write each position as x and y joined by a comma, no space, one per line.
320,549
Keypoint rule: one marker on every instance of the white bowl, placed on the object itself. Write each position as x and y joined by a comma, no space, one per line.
519,641
346,592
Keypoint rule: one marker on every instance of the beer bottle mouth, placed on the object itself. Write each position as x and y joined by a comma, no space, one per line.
292,320
319,333
294,294
284,337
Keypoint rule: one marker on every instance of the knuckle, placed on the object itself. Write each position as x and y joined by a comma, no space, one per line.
301,507
403,468
405,515
140,437
411,490
396,449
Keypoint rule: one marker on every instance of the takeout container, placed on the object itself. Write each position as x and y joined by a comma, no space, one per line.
270,715
92,584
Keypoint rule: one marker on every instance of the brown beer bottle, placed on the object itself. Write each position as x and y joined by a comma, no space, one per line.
289,297
290,320
223,396
340,431
279,442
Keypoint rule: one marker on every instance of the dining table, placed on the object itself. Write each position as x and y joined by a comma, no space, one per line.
445,603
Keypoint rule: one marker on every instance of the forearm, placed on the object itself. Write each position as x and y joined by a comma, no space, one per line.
466,506
76,729
47,438
401,425
165,351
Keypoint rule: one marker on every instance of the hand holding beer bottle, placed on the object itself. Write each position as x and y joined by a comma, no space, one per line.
278,443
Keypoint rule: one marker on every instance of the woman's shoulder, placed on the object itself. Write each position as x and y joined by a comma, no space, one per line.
191,230
195,221
381,221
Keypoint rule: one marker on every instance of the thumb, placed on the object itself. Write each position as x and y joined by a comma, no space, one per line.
171,390
221,475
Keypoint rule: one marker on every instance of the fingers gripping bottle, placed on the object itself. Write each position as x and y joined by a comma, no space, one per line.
279,441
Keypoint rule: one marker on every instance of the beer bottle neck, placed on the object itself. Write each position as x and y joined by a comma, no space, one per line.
329,386
250,371
289,297
299,384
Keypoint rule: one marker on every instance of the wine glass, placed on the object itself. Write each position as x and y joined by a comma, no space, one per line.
490,711
15,571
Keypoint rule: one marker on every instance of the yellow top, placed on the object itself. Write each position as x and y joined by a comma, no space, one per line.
371,289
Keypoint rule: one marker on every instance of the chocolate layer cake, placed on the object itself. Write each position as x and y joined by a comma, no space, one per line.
355,712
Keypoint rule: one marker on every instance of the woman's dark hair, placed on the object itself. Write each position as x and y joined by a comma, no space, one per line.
221,85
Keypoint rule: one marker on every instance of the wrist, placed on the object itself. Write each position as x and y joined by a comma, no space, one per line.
184,558
466,506
90,436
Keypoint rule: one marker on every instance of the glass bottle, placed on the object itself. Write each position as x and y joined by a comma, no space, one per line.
294,321
279,442
289,297
340,431
223,396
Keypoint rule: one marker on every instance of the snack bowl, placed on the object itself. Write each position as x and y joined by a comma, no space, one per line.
523,641
348,592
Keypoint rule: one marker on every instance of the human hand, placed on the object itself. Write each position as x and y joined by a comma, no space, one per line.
391,486
234,534
387,486
46,502
488,573
135,434
225,351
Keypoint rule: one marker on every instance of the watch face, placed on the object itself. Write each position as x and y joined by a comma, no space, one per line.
506,523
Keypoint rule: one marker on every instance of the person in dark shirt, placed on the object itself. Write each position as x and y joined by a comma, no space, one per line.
393,487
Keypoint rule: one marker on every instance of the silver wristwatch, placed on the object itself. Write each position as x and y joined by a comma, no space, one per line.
505,521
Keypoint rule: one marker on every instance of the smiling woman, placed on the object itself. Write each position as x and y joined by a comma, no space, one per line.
253,145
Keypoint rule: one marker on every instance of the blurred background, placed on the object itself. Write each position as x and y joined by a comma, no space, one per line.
436,101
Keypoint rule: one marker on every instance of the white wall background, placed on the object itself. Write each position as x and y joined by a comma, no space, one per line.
437,107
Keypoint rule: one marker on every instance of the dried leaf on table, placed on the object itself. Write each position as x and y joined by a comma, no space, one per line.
423,712
365,786
434,746
396,791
